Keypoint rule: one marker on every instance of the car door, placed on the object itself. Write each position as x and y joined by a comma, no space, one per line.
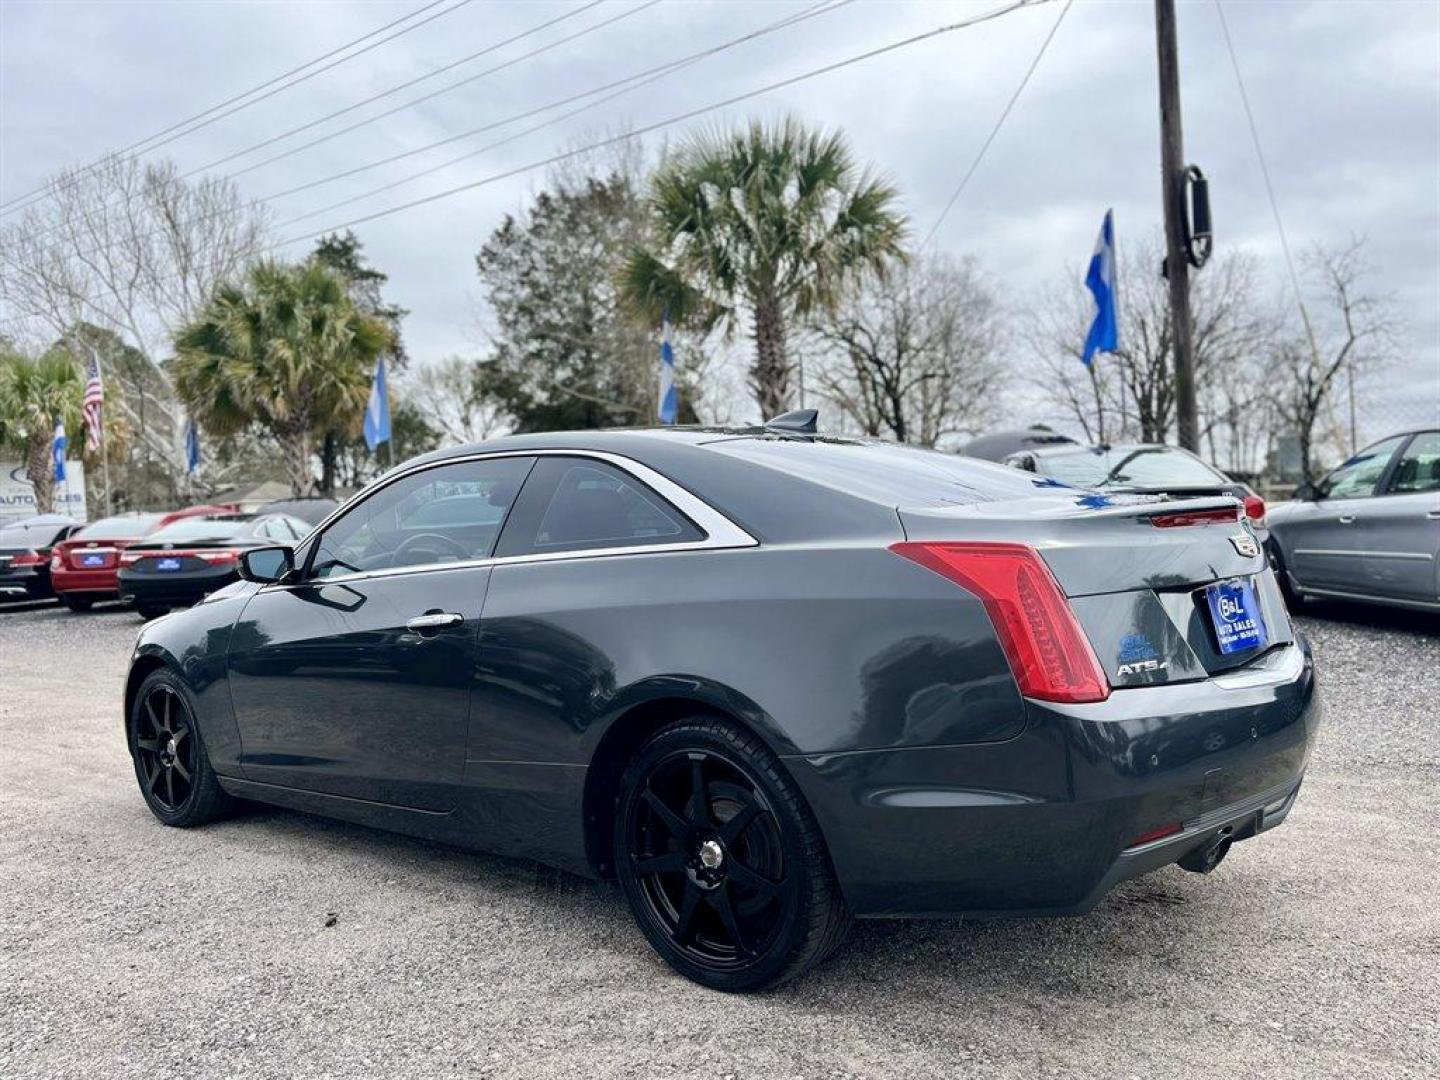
1403,544
354,679
1328,537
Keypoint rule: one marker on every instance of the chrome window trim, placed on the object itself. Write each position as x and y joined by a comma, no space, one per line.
720,532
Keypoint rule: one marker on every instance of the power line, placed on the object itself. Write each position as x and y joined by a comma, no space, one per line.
1269,187
412,82
654,126
165,137
668,122
416,101
999,123
628,84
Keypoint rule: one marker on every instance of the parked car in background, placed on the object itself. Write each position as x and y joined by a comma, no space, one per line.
768,681
312,511
25,553
1000,444
185,561
1143,469
1370,530
84,565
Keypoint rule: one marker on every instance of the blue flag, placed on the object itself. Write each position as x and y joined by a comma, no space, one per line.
192,447
669,396
1100,280
57,450
377,412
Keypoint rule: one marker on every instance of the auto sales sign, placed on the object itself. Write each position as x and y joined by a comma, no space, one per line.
17,497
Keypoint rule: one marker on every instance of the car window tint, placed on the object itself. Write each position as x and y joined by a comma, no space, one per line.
594,505
120,527
449,513
1129,466
1419,467
1356,479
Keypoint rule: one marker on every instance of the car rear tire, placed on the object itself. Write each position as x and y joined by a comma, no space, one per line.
1293,600
722,861
76,604
171,765
151,611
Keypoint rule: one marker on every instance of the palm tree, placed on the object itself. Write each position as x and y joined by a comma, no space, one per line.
287,350
35,392
775,222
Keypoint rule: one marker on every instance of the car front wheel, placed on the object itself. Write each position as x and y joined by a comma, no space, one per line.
721,860
171,765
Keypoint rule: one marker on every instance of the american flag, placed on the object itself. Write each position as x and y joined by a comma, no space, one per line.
90,407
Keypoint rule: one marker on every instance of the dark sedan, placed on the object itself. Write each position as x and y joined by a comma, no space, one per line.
186,561
25,553
768,680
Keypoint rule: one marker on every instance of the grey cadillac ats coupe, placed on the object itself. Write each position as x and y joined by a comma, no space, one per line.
770,681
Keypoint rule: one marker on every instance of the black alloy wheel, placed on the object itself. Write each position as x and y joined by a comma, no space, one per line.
721,860
170,762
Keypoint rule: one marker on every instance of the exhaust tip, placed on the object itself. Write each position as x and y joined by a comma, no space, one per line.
1208,855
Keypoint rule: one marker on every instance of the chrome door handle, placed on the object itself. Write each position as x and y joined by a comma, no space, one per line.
434,620
1347,519
1433,515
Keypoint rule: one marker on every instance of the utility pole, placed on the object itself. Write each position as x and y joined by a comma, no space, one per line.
1172,167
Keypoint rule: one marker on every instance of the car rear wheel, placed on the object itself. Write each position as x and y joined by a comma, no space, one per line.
76,603
171,765
1293,600
722,862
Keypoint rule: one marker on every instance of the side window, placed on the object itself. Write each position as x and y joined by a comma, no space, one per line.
1419,468
449,513
1356,479
574,504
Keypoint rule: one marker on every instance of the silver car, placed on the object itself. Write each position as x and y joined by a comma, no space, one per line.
1369,531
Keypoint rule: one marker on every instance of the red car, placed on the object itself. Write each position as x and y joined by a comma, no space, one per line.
83,568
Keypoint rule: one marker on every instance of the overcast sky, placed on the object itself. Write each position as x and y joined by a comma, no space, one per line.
1346,96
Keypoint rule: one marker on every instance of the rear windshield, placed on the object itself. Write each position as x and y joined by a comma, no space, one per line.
886,472
1128,466
194,530
128,527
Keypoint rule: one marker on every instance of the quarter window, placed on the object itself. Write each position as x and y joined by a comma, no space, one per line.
1356,479
450,513
576,505
1419,468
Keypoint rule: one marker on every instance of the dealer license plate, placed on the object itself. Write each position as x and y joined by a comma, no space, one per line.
167,564
1235,614
92,560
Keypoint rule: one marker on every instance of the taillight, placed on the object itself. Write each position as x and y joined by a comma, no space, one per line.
219,558
1049,653
1194,517
1255,509
130,558
28,558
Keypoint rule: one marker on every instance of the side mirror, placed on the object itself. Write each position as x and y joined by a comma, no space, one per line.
1305,491
267,565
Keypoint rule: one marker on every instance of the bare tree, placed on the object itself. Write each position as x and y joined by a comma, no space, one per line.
130,248
1349,331
451,397
1131,394
912,356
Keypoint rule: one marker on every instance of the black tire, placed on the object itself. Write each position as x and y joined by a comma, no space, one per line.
151,611
76,604
736,890
1293,600
171,765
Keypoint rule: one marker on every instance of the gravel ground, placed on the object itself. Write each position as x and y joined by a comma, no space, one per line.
128,949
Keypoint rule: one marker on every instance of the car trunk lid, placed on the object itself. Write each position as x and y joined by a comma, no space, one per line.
1137,572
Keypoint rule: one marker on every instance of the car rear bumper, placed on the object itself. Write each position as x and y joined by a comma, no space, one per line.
1047,822
176,588
26,579
95,583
